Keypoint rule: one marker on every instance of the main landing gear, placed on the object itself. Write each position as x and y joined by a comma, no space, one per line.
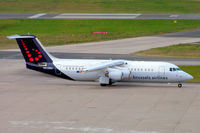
110,83
179,85
103,84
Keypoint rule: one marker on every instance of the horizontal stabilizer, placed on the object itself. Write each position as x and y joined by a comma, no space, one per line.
20,36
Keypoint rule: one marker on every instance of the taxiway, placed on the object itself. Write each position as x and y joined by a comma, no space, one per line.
34,102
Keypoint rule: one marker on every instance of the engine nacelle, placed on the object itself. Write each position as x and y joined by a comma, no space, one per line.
115,75
126,74
119,74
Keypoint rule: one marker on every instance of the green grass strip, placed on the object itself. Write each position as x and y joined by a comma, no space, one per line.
100,6
178,51
194,71
60,32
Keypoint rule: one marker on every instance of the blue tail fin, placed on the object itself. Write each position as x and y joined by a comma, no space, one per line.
32,49
35,55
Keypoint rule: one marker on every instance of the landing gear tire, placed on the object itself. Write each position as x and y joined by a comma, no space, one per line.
179,85
103,84
110,82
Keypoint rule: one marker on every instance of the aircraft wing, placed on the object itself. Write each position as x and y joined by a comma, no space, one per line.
112,63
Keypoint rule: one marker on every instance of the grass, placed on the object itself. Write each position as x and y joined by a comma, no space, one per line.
178,51
60,32
100,6
194,71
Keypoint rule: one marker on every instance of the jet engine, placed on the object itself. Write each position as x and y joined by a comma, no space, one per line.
119,74
115,75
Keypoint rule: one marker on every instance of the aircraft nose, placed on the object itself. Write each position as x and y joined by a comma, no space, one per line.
185,76
189,77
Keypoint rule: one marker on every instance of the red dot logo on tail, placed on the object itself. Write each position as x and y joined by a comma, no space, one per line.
36,59
40,56
31,59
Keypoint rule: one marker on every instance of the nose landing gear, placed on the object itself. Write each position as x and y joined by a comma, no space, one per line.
179,85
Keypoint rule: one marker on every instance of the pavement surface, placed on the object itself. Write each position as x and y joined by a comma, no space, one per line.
177,61
129,45
120,49
98,16
34,102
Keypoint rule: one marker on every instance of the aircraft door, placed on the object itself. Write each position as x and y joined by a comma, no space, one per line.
161,71
177,75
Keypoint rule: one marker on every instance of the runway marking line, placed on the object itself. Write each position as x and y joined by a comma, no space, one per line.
59,125
37,15
173,16
96,16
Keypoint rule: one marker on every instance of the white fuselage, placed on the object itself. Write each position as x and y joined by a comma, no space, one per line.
140,71
106,72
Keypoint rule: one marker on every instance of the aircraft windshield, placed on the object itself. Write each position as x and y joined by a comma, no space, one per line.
174,69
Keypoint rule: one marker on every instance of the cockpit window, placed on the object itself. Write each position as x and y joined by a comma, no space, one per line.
174,69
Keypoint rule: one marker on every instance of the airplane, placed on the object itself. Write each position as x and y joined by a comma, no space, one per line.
106,72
